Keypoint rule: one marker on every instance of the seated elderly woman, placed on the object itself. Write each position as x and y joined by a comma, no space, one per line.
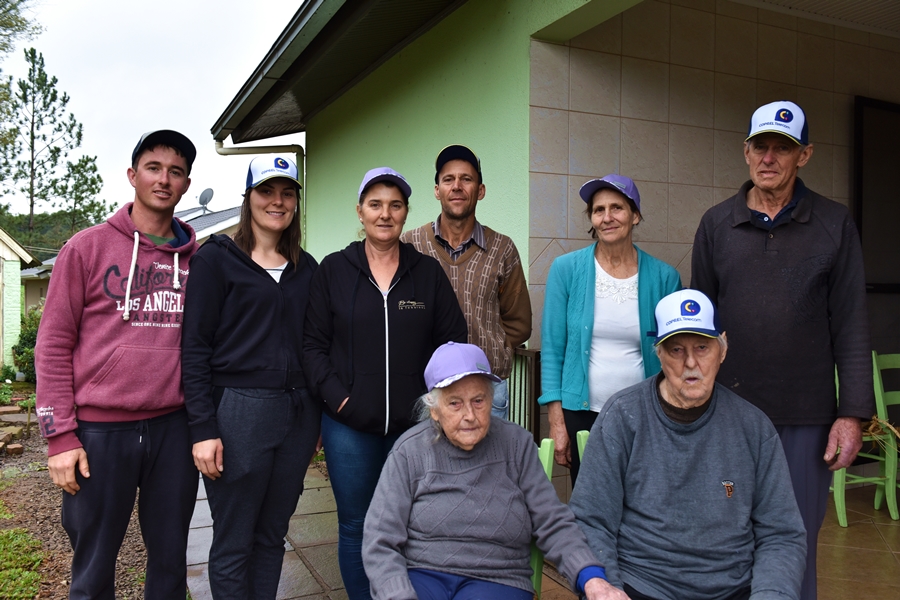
684,489
461,496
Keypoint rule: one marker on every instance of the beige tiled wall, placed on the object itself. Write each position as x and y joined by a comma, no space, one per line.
663,93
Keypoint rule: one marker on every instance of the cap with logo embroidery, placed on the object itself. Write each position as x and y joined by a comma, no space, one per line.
263,168
782,117
685,311
451,362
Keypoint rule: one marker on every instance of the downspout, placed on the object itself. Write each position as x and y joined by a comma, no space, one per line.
300,157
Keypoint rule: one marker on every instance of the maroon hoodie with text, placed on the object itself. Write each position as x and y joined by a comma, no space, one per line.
107,351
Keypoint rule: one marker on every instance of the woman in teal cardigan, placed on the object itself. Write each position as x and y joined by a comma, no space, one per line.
598,326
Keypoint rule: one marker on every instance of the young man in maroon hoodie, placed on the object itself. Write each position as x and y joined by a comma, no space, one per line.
109,396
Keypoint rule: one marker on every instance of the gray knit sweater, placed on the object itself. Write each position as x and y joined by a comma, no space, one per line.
467,513
695,510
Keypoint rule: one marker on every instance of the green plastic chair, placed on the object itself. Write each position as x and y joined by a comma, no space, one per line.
581,440
885,451
545,454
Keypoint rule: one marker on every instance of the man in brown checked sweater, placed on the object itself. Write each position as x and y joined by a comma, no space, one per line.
483,266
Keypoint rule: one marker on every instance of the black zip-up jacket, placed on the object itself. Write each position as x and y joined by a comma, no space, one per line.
373,348
241,328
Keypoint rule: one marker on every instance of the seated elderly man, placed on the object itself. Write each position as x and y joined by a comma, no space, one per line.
684,491
461,496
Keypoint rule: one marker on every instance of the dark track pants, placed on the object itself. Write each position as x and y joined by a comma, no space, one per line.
268,438
804,446
154,456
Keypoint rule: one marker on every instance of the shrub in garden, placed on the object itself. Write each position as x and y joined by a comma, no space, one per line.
23,352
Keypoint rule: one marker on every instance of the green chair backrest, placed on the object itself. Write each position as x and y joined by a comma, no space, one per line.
883,399
545,455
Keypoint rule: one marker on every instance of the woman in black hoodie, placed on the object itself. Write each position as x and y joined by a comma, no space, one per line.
253,425
377,311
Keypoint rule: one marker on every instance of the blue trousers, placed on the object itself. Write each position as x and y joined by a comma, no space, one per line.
354,461
154,456
500,405
434,585
804,446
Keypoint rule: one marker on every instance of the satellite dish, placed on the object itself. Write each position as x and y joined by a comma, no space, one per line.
205,196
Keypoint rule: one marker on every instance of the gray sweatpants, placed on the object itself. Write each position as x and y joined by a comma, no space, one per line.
268,437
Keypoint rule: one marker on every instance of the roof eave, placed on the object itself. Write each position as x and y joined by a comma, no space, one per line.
305,25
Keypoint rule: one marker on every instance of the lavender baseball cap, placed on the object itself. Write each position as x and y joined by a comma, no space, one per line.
620,183
451,362
379,174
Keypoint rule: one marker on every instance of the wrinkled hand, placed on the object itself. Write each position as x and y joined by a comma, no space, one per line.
562,451
208,457
846,436
600,589
62,469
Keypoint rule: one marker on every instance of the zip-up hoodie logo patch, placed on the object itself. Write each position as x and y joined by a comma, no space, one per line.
410,305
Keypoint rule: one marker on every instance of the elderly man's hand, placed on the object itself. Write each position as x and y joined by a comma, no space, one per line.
600,589
846,435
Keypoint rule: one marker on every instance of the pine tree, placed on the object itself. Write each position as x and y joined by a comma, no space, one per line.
45,132
77,193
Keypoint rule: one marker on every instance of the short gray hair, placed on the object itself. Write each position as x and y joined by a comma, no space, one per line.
431,400
723,344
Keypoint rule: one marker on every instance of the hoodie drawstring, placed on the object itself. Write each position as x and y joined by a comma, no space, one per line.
137,240
176,284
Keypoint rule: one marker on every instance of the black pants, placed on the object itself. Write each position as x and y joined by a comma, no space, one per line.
577,420
268,438
742,594
154,456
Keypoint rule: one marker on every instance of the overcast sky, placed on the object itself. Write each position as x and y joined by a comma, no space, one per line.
131,67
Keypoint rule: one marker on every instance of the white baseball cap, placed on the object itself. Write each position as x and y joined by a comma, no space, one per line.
782,117
263,168
685,311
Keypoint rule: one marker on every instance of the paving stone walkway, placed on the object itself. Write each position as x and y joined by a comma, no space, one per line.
310,569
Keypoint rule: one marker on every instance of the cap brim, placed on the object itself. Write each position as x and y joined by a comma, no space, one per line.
778,131
404,186
590,188
276,176
454,378
171,138
704,332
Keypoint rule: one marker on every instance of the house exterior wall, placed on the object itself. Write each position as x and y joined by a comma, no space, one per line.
465,81
35,291
11,308
663,93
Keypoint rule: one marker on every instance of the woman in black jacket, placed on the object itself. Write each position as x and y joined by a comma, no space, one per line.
377,311
253,425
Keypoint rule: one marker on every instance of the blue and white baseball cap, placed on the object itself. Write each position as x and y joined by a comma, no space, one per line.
685,311
451,362
263,168
782,117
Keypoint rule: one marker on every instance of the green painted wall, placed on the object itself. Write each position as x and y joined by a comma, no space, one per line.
12,307
465,81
